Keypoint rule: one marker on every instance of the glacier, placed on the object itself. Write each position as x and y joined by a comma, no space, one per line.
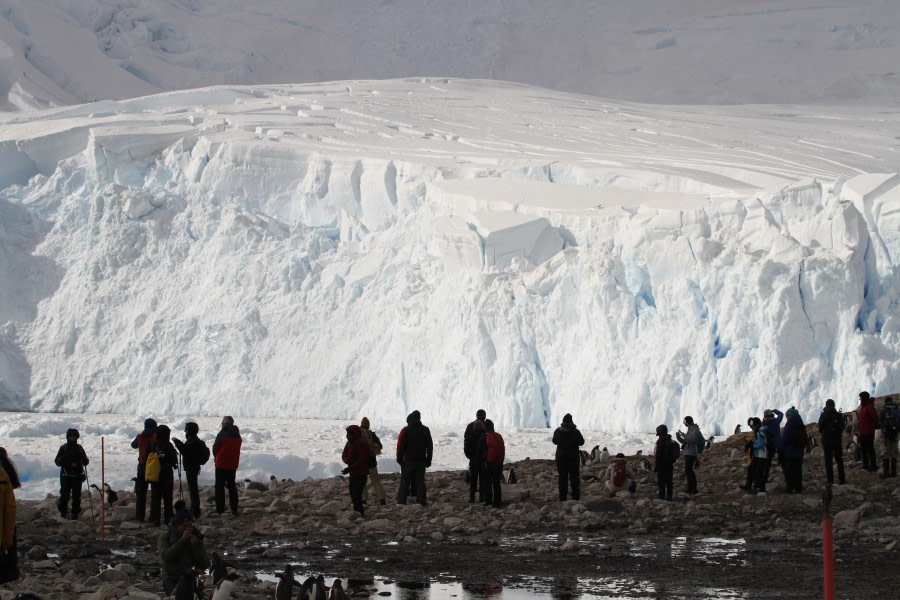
374,247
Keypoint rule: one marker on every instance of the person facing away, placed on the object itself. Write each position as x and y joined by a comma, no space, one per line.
356,457
691,441
161,490
471,437
375,446
866,425
490,452
772,418
181,549
831,430
619,476
194,454
568,440
666,453
71,460
141,443
759,453
227,452
9,481
794,448
887,421
415,450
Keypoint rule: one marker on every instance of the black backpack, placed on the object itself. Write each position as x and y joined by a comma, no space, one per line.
802,440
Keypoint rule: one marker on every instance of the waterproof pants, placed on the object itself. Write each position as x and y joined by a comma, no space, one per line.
568,474
193,491
69,487
834,452
225,479
412,471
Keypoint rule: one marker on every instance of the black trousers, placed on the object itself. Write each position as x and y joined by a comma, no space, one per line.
140,496
757,473
689,463
568,474
867,448
161,494
193,491
357,485
664,475
793,473
834,452
493,495
225,479
474,480
412,472
69,487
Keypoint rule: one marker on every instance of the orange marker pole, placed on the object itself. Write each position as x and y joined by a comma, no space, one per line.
828,546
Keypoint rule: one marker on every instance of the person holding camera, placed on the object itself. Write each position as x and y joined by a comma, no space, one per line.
71,460
181,549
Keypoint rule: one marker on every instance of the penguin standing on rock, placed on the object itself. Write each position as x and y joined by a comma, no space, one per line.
285,588
337,591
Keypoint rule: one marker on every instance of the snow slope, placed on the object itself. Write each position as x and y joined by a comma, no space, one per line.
373,247
56,52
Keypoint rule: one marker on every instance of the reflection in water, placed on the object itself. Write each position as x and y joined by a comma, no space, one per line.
481,590
413,590
564,588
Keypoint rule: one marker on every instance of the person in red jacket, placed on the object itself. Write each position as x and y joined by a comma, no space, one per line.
356,457
868,423
490,453
227,452
141,443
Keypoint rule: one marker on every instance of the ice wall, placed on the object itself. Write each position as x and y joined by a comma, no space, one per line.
247,259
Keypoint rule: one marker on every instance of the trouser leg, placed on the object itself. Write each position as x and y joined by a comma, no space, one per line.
231,484
193,491
220,490
140,500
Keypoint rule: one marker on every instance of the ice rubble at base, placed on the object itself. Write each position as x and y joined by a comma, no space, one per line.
221,251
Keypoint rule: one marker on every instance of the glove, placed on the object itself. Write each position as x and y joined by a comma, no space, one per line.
345,471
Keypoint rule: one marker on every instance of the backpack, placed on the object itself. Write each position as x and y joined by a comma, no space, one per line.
802,440
152,467
770,442
376,444
701,445
890,422
203,453
673,451
620,473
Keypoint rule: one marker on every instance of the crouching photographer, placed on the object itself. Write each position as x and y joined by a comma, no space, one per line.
181,549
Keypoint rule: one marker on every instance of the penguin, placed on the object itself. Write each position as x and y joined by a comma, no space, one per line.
321,588
645,464
584,457
273,483
511,477
217,568
604,455
737,429
337,591
254,485
307,589
595,454
284,590
226,585
639,453
111,495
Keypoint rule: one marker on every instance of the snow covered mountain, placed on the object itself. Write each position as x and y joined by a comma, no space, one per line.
332,250
324,250
56,52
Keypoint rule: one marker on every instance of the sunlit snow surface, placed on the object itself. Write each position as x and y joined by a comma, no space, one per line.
294,449
334,250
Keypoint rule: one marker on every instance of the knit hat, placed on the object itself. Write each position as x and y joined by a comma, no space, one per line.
792,412
182,516
149,427
364,423
567,418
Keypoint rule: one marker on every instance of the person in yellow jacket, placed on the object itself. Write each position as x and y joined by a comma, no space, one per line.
8,568
375,447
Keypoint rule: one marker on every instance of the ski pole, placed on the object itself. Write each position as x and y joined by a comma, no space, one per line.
90,496
180,489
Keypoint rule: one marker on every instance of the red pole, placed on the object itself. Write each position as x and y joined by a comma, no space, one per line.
103,487
828,555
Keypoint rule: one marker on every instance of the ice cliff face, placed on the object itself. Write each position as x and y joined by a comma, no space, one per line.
372,248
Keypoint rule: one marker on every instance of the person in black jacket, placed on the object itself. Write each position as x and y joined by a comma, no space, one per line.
568,440
194,454
71,460
471,437
414,456
161,491
831,429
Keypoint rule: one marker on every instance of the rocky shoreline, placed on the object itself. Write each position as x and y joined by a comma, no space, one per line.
533,536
